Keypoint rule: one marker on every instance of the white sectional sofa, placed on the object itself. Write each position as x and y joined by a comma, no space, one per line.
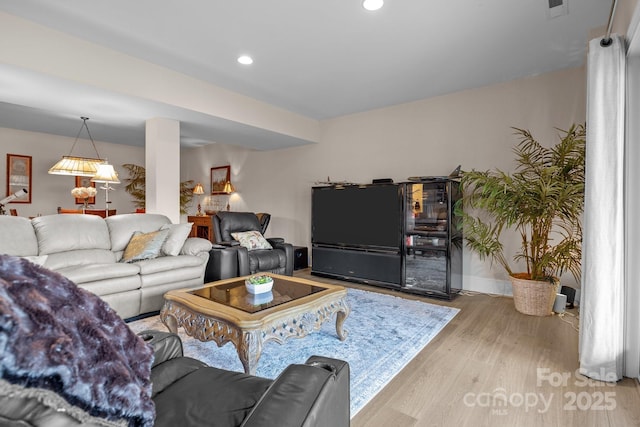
89,249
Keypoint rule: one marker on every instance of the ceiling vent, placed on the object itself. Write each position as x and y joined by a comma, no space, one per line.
557,8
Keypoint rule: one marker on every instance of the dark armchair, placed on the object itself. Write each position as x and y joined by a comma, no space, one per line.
186,392
232,228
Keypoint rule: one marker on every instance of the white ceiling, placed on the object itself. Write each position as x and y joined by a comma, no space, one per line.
320,59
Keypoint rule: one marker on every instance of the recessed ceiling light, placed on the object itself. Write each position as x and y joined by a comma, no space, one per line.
245,60
372,4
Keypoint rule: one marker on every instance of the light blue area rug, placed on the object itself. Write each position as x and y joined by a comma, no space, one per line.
384,334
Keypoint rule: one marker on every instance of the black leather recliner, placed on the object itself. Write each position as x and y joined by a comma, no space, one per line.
189,393
279,260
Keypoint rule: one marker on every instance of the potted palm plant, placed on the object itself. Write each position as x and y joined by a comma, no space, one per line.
543,201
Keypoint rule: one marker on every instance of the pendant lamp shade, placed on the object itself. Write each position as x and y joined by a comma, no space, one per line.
106,173
76,165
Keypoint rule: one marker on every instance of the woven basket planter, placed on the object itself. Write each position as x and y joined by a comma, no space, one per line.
534,297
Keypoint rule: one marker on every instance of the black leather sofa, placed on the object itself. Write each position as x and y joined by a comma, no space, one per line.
187,392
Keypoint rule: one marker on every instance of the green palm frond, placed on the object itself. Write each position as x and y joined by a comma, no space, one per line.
543,200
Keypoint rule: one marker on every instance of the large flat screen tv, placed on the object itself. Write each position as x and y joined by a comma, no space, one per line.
366,217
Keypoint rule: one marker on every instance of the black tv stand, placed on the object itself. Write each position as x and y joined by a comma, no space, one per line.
424,258
383,268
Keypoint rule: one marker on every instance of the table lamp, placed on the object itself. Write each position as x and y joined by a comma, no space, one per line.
199,191
228,189
107,175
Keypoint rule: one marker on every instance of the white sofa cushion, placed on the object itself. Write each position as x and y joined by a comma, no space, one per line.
167,264
95,272
61,260
37,259
63,233
17,236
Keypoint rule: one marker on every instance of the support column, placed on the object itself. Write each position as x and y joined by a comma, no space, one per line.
162,164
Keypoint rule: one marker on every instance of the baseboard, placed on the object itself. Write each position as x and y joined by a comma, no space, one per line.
469,283
486,286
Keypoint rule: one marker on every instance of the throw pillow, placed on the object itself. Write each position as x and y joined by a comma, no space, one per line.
178,234
251,240
144,245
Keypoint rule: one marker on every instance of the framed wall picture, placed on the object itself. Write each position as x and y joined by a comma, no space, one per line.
19,176
219,177
85,181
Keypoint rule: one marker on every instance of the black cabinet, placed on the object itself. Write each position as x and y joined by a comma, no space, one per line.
402,236
432,243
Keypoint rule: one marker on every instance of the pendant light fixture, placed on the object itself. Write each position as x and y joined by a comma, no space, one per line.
75,165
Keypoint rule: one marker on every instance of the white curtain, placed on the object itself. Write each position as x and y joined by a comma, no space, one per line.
602,299
632,205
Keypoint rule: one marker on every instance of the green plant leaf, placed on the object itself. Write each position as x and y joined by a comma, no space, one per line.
543,200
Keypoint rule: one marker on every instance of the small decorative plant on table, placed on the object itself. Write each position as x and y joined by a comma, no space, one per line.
543,201
259,283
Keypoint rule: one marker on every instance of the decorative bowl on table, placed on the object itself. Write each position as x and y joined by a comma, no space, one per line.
259,284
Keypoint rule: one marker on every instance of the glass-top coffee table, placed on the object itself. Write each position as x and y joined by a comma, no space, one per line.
224,312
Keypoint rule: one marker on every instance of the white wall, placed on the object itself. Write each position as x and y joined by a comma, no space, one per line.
428,137
50,191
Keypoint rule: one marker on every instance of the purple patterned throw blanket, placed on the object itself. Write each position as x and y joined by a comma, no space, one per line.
59,337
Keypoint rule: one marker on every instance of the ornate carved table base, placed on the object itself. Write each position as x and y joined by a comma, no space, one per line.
248,340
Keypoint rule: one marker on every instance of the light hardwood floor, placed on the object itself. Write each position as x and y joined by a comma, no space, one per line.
492,366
